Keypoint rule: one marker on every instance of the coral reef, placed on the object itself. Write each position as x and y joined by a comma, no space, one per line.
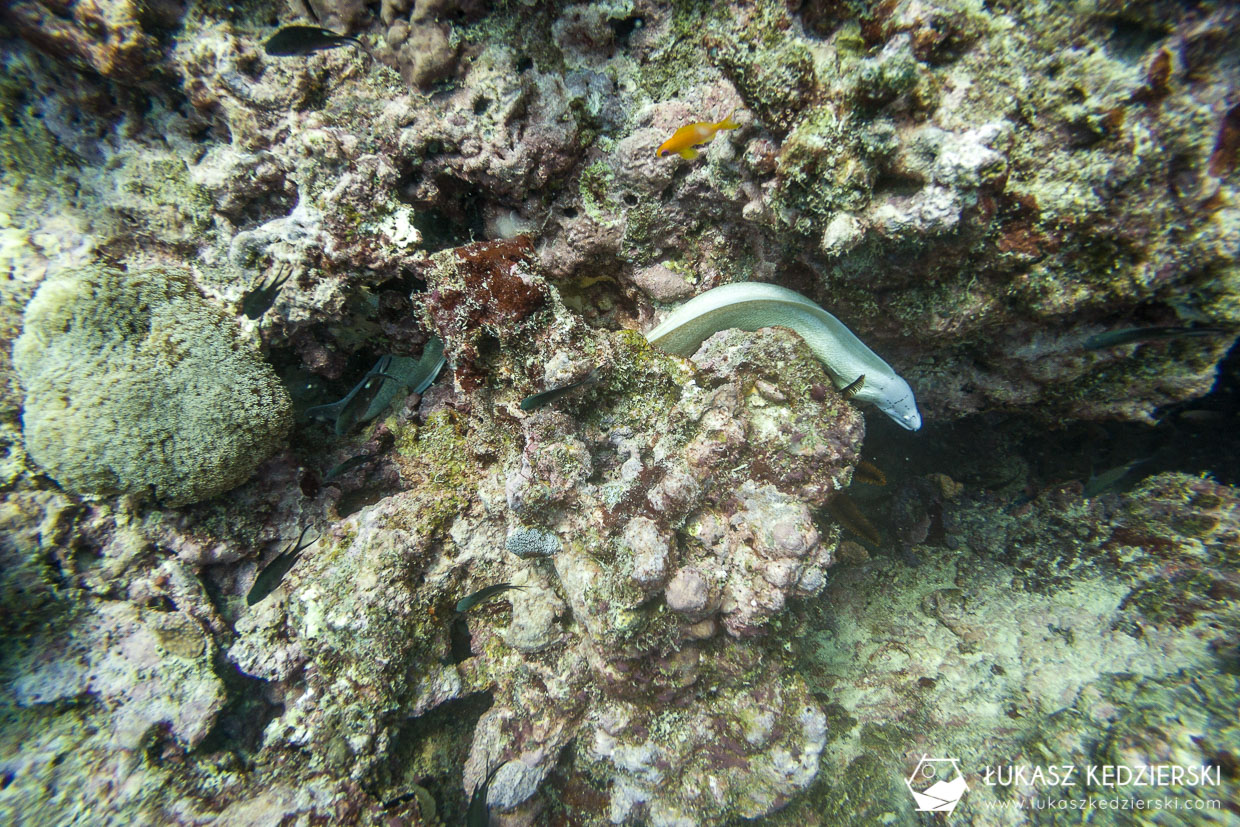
119,39
691,635
1064,633
136,385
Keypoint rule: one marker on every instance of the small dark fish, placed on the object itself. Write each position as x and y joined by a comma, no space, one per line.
1129,335
349,411
347,466
482,595
429,365
269,578
354,409
1109,479
537,400
259,300
479,812
1203,416
293,41
853,388
407,373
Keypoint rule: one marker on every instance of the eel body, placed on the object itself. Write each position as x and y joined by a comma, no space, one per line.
753,305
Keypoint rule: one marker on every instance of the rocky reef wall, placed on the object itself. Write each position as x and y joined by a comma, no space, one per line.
1029,209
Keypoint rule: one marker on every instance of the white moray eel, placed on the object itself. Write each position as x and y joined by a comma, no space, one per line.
751,305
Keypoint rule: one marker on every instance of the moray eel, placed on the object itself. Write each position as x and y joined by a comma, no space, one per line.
750,306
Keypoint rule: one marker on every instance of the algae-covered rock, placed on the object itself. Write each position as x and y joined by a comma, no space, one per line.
134,384
148,668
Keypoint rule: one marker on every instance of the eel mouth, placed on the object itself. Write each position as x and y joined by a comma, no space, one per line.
904,412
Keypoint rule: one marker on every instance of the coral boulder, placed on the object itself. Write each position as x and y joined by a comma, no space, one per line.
134,384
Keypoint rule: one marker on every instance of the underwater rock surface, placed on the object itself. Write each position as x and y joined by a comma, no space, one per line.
703,606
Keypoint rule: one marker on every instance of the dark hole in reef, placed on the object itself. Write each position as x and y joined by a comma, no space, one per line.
317,98
453,219
214,130
85,555
524,63
630,199
602,304
309,483
569,212
888,182
239,726
451,723
6,778
460,640
356,500
824,16
160,748
64,12
395,306
1131,39
1008,452
481,105
572,792
623,28
1227,763
1010,457
251,65
263,208
160,603
681,173
1084,132
1226,144
304,387
1182,177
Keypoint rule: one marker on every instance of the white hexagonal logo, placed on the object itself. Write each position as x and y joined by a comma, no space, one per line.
937,784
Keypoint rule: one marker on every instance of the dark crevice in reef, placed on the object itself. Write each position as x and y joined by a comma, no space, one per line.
1012,457
573,792
354,501
453,218
452,722
239,727
1196,437
1131,39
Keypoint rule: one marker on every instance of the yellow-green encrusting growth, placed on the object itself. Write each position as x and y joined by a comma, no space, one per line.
437,454
134,384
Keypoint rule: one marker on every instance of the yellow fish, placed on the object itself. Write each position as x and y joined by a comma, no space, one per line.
684,140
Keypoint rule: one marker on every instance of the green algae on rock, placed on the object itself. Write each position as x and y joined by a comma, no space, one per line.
134,384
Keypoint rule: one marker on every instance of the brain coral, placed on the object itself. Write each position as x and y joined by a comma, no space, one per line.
135,384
